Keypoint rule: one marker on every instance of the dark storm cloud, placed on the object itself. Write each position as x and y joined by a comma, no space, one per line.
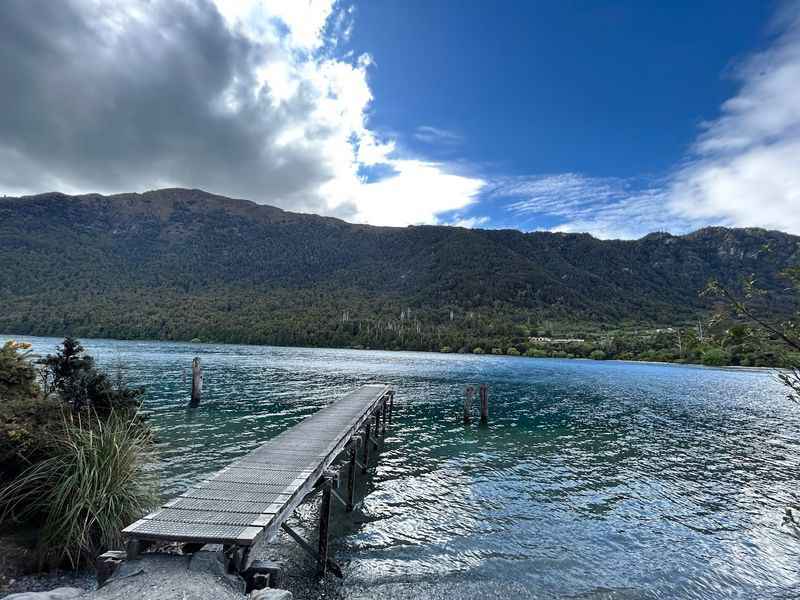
112,97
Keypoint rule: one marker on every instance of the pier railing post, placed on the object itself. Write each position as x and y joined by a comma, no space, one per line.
197,382
383,416
484,391
468,393
324,521
391,405
367,444
377,427
351,477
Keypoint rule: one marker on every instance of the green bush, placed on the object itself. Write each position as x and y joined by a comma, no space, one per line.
497,351
597,355
536,353
17,375
715,357
512,351
479,350
445,349
27,427
77,476
95,483
81,385
26,418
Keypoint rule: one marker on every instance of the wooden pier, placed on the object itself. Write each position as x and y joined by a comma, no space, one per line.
250,500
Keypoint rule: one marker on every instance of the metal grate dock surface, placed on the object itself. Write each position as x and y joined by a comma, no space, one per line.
250,498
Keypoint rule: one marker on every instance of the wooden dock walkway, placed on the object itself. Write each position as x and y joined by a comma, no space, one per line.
250,500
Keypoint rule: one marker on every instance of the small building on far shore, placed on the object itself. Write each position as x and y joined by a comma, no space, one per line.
547,340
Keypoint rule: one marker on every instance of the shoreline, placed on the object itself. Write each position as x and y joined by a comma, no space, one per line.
744,368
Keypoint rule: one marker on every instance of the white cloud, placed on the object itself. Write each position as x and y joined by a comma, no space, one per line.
607,207
246,98
436,135
305,20
745,169
416,193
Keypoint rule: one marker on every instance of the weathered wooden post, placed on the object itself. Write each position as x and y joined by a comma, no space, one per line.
351,476
484,392
324,520
367,443
384,410
468,393
376,429
391,405
197,382
106,565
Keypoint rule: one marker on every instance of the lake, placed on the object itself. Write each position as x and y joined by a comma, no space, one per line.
592,480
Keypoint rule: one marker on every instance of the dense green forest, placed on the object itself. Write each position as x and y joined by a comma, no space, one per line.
184,264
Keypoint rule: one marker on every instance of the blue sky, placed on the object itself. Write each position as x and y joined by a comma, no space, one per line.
604,99
615,118
603,88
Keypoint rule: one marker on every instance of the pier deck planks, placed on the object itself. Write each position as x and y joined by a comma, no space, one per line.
250,498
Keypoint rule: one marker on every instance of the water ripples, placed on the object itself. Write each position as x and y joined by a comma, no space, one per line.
592,480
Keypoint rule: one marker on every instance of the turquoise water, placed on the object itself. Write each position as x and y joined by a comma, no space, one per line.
592,480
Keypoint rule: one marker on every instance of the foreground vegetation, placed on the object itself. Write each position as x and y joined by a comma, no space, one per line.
73,453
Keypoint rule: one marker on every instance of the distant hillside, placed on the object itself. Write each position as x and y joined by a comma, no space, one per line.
183,264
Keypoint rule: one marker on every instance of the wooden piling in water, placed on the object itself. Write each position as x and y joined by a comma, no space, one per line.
484,392
324,521
351,476
367,444
197,382
468,393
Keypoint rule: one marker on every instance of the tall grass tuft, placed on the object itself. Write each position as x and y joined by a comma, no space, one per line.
96,482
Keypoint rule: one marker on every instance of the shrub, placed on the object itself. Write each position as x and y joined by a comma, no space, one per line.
512,351
479,350
445,349
25,417
27,426
17,375
536,353
80,384
597,355
497,351
84,493
715,357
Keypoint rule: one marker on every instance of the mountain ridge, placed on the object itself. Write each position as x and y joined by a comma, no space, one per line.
181,264
179,194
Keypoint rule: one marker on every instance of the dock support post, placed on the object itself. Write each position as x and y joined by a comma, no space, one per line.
377,429
391,405
197,382
351,477
367,443
383,416
324,521
106,564
468,393
134,548
484,391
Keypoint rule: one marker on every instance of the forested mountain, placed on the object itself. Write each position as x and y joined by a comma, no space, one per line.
184,264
